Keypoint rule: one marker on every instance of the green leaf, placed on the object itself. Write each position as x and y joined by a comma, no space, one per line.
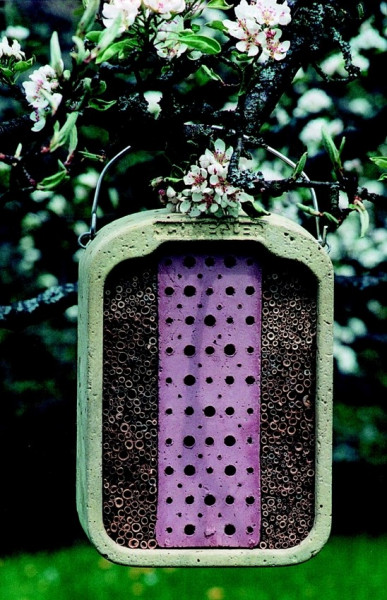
116,48
23,65
380,161
91,156
61,136
308,210
331,149
363,216
219,4
203,43
101,105
331,218
219,25
107,37
210,73
7,73
52,181
254,208
300,166
88,17
55,54
73,140
93,36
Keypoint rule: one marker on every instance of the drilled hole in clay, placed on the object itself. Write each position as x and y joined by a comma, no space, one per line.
169,470
209,291
189,470
169,291
189,529
168,380
230,291
210,470
229,529
189,291
229,350
169,350
209,411
250,350
209,380
189,320
230,470
209,500
190,499
189,410
169,529
189,441
250,380
209,441
229,410
229,380
229,440
189,262
230,320
230,261
189,350
209,320
169,411
250,290
169,500
230,499
249,529
210,350
169,442
189,380
250,320
250,500
169,320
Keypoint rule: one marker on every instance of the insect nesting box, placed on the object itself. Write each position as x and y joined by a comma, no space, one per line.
205,381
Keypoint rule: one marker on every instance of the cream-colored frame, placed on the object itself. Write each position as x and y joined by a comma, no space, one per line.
141,234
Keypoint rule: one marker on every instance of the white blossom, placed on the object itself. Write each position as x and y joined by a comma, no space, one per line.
269,13
166,42
126,9
41,95
9,51
167,8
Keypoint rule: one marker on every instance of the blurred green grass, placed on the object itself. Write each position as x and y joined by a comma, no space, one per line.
347,568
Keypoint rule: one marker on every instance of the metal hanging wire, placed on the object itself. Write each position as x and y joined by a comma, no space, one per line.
87,236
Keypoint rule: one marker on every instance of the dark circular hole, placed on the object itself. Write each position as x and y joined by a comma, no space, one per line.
200,455
209,261
189,441
169,530
230,499
190,499
250,320
169,320
169,470
189,410
250,500
179,485
249,529
209,380
189,262
209,291
189,290
169,442
169,350
199,276
210,470
230,470
210,350
229,529
179,306
209,411
229,350
250,380
250,349
249,440
169,411
250,470
230,261
230,291
209,320
189,350
209,441
189,470
229,379
189,380
250,290
169,291
229,440
209,500
230,320
190,320
169,500
250,411
189,529
229,410
168,380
